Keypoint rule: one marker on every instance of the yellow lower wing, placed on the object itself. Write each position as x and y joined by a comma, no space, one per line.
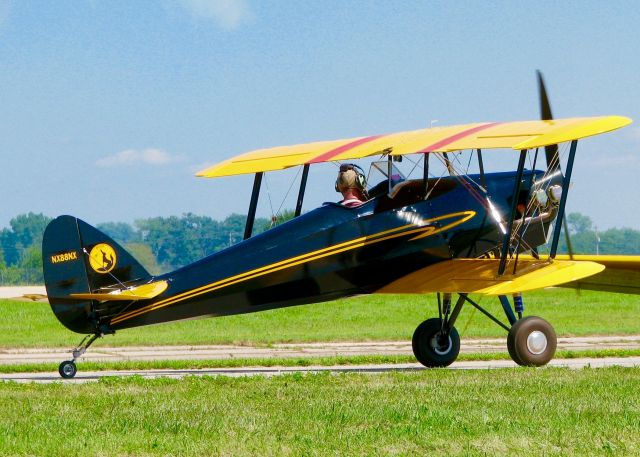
622,274
480,276
143,292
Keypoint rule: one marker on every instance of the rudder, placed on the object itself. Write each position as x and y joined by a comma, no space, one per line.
78,258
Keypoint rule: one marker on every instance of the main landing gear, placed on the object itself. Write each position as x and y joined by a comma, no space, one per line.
68,369
436,342
531,341
434,346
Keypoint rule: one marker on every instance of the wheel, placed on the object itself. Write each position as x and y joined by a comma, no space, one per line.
532,342
67,369
432,347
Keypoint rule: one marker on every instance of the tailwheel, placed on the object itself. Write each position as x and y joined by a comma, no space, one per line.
67,369
532,342
434,346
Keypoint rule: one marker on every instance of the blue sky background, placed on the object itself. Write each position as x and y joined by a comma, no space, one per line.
108,108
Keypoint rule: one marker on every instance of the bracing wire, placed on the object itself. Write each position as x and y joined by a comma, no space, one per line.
415,165
266,183
288,191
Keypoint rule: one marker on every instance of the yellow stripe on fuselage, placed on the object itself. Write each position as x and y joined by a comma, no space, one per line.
293,261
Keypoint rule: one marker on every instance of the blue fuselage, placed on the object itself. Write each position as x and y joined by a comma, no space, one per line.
334,251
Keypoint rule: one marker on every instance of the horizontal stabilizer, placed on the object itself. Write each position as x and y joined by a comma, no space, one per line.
143,292
480,276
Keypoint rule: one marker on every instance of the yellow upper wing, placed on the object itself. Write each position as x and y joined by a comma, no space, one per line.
492,135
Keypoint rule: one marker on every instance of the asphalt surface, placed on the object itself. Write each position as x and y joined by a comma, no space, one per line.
90,376
99,353
216,352
12,356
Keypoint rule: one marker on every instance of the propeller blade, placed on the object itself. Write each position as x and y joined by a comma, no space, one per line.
551,151
545,106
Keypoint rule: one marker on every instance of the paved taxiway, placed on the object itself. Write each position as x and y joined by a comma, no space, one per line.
299,350
99,353
276,371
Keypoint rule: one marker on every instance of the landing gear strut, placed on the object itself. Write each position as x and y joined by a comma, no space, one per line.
68,369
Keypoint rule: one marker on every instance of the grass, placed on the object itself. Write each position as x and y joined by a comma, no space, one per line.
364,318
511,411
288,361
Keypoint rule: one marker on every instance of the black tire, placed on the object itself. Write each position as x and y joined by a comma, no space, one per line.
532,342
67,369
432,348
511,347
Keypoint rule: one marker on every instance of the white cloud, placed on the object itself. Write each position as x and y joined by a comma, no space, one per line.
229,14
133,156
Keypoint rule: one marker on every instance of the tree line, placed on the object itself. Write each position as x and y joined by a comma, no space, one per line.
162,244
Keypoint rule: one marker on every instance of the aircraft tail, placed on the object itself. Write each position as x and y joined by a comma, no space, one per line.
79,260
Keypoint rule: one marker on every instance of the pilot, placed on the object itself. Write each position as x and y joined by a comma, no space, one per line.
351,183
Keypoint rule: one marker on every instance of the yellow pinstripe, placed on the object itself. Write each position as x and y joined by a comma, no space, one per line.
293,261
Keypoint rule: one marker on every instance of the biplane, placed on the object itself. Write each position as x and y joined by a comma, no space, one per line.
455,235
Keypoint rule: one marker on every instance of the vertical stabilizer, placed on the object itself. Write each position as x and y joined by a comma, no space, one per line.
79,259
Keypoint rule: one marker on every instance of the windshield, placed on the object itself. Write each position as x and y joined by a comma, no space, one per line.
379,177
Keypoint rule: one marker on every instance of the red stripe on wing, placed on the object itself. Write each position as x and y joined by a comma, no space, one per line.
447,141
327,156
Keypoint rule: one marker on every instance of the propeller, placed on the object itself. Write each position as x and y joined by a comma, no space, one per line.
551,151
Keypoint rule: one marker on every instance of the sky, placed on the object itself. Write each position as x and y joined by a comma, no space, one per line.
108,108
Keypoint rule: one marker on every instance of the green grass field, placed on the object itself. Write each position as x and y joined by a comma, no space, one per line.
372,317
515,411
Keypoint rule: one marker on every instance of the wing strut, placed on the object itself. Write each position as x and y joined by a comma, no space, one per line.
448,163
303,186
425,174
563,200
389,171
253,205
481,166
506,241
